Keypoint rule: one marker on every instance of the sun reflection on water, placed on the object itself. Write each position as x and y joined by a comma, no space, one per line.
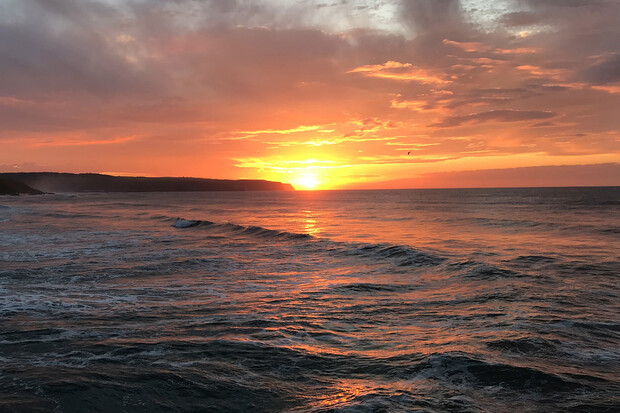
345,391
310,223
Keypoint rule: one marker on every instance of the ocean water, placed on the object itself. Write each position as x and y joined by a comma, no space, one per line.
481,300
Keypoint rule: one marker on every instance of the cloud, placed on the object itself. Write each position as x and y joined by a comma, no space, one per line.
416,105
23,167
40,58
468,46
541,72
543,124
399,71
535,176
201,81
504,115
301,128
403,159
615,89
521,18
604,72
479,47
329,141
538,176
427,16
78,142
284,165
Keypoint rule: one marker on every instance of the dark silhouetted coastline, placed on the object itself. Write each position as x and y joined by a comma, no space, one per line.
11,187
90,182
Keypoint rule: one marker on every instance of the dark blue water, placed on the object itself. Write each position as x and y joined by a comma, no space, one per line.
489,300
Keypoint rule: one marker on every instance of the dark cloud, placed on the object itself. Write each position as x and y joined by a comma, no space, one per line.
502,115
543,124
521,18
604,72
424,16
477,102
40,56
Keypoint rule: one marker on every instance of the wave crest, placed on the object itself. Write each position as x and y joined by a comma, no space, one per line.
402,255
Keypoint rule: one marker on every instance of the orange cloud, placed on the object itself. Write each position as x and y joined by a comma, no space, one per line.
416,105
542,72
302,128
518,50
614,89
468,46
78,142
399,71
481,47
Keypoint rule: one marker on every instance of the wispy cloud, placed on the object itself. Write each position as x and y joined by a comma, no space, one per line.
507,115
403,159
80,142
543,72
287,165
330,141
399,71
302,128
468,46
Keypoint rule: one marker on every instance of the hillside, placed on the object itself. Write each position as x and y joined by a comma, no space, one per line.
11,187
67,182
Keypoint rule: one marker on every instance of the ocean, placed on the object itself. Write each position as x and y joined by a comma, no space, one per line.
454,300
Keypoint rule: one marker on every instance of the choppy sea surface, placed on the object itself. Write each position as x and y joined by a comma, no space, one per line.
481,300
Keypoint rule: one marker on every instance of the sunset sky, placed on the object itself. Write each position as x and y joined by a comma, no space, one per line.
326,94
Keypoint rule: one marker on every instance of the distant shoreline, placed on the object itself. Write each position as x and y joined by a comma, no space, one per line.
42,182
38,183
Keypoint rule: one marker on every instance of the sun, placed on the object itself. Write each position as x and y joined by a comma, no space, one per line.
307,182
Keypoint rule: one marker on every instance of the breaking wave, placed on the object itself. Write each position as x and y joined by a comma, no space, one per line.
401,255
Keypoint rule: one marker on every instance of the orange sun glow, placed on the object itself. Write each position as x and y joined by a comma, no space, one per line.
306,182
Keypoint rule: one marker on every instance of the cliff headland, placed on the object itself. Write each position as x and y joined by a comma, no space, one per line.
90,182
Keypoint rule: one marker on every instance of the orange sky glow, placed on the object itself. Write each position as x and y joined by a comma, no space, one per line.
350,94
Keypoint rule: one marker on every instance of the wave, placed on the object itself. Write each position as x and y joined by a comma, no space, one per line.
533,259
597,329
70,216
462,369
251,230
494,222
371,288
402,255
515,225
609,269
184,223
535,346
482,271
271,233
579,229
